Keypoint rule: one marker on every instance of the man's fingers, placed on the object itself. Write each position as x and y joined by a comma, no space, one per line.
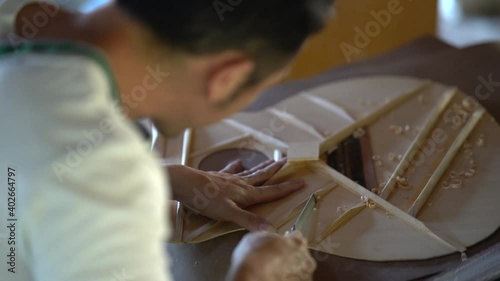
278,191
233,167
256,168
262,175
298,239
251,221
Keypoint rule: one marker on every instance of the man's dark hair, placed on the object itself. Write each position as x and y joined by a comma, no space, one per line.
268,31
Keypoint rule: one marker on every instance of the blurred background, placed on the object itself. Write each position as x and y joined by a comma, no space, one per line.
466,22
364,28
459,23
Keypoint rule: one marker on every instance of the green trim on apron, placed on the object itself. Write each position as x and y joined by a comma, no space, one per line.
65,48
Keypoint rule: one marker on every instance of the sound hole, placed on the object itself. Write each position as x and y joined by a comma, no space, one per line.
348,160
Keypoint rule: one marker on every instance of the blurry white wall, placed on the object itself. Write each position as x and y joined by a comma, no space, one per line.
11,6
467,22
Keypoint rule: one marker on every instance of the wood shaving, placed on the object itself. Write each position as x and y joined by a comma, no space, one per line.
456,184
358,133
468,105
392,157
402,181
473,164
480,141
470,173
398,130
468,153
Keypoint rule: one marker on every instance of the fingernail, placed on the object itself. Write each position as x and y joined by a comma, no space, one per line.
299,240
310,264
265,227
297,234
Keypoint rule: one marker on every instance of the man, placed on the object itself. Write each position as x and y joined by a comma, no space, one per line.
85,198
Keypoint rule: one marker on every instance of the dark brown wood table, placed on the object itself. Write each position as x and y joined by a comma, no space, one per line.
426,58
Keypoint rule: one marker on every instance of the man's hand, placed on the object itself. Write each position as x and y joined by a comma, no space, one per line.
267,257
224,195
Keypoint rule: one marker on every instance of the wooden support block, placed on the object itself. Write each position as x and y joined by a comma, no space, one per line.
303,151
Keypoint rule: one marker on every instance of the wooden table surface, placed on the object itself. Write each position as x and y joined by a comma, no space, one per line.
426,58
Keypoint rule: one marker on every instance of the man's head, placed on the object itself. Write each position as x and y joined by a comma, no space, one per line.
220,54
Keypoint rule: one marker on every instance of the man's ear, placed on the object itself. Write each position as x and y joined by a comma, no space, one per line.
30,11
225,80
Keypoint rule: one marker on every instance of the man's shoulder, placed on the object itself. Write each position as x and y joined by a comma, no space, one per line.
60,104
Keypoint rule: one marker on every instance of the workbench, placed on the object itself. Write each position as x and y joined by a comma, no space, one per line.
425,58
